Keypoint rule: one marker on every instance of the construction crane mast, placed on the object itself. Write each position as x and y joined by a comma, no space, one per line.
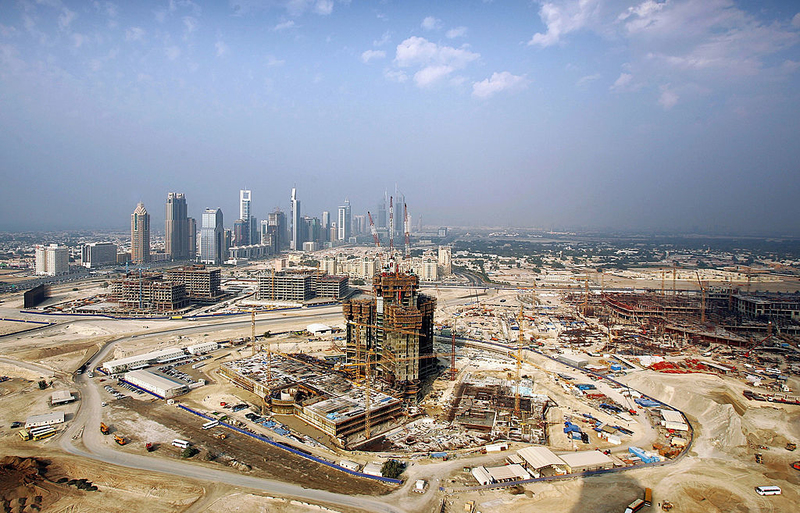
702,299
374,231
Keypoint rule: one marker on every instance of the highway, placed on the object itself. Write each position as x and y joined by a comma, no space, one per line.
88,417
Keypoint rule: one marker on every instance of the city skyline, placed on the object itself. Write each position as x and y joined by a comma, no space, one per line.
676,116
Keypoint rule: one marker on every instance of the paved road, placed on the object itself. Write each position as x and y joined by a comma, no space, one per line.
89,417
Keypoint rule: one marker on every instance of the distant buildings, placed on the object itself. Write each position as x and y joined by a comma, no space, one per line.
344,222
177,227
52,260
140,235
296,241
212,237
98,254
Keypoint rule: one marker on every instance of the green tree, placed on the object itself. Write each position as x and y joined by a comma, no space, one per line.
392,469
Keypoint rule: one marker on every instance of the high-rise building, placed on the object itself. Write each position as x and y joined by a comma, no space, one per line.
140,235
212,237
52,260
177,227
98,254
244,215
344,221
297,242
326,220
192,238
382,213
445,260
254,236
359,225
241,233
278,230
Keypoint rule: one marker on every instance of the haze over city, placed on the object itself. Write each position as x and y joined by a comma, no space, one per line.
675,116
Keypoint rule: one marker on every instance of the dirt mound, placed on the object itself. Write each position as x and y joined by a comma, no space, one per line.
25,486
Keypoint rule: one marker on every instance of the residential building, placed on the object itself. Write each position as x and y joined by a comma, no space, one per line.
52,260
192,238
445,260
244,216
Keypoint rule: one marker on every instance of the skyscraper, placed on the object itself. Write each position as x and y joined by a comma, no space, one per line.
177,227
244,215
140,235
382,213
326,220
297,242
212,237
344,221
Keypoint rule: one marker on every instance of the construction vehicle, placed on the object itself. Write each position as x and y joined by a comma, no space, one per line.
220,436
759,458
667,505
104,429
796,465
150,446
791,446
120,440
635,506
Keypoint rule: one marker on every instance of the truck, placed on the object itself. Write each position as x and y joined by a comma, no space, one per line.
104,429
120,440
635,506
648,497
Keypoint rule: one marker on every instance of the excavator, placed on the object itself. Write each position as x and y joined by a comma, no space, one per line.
120,440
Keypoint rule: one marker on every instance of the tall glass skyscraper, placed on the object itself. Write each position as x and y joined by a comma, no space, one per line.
297,241
177,227
212,237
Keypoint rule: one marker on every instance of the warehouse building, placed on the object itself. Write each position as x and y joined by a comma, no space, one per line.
501,474
158,384
47,419
574,360
143,360
585,461
673,420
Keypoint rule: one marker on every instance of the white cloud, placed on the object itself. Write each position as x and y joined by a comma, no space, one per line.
134,34
221,48
435,62
395,75
587,79
562,18
796,20
323,7
372,54
78,40
431,23
456,32
430,75
622,82
66,18
172,52
383,40
285,25
668,98
498,82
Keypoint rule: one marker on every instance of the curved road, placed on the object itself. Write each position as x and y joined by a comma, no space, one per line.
88,417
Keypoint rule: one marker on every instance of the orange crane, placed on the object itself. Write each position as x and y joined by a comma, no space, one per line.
374,231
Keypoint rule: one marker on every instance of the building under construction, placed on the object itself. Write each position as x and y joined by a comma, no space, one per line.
300,286
314,392
202,284
148,292
393,332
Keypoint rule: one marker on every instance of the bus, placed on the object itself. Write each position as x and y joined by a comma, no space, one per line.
211,424
768,490
24,434
648,497
43,432
183,444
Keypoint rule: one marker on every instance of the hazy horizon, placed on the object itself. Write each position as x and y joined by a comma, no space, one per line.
631,116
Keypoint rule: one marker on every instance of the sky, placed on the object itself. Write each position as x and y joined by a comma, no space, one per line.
640,115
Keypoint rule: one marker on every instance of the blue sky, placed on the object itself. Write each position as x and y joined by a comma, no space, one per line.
634,115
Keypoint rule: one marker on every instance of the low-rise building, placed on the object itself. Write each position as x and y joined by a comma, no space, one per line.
143,360
61,397
585,461
158,384
47,419
203,348
201,282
